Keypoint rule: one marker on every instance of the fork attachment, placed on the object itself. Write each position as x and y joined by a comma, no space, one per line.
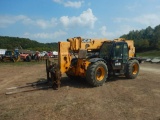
53,74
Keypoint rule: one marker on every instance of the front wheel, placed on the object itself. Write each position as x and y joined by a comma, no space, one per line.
97,73
28,58
132,69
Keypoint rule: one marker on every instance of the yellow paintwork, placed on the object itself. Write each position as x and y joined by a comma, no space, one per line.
76,44
64,57
18,59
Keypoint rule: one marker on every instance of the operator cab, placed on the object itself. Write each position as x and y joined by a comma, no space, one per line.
115,54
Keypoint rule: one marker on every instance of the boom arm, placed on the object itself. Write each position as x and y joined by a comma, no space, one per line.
78,43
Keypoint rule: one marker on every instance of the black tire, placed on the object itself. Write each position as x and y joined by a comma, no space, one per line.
97,73
132,69
13,60
28,58
3,60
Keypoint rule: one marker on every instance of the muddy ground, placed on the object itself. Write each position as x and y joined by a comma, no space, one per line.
117,99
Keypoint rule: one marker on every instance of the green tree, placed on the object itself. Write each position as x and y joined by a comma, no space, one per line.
145,39
156,38
25,43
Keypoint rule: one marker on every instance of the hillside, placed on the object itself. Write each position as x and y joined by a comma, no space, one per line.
145,39
25,43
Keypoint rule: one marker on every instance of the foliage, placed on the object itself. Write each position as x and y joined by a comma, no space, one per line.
153,53
25,43
145,39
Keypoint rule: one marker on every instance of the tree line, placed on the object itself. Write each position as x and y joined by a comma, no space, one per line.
11,43
145,39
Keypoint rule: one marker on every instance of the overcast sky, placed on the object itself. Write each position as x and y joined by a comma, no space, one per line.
57,20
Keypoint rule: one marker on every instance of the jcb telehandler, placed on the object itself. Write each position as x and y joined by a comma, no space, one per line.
94,60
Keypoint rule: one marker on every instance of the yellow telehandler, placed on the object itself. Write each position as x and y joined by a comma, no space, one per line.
94,60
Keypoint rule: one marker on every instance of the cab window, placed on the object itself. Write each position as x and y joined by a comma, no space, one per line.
118,51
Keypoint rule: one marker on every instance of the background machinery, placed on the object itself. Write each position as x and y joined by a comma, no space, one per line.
11,55
94,60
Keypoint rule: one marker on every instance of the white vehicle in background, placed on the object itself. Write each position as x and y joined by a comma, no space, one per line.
148,60
155,60
41,54
55,54
49,54
2,51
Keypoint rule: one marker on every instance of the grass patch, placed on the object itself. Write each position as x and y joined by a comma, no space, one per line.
21,63
149,54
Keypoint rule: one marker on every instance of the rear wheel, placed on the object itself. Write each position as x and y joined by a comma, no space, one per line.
132,69
3,60
97,73
28,58
13,60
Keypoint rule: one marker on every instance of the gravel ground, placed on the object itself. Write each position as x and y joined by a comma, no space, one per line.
117,99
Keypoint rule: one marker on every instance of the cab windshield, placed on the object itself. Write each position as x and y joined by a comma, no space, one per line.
8,53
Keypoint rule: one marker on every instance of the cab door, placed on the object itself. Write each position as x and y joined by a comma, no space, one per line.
119,55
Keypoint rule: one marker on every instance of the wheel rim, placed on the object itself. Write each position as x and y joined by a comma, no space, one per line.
135,69
100,73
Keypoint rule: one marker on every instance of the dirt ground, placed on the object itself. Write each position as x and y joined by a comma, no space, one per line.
117,99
